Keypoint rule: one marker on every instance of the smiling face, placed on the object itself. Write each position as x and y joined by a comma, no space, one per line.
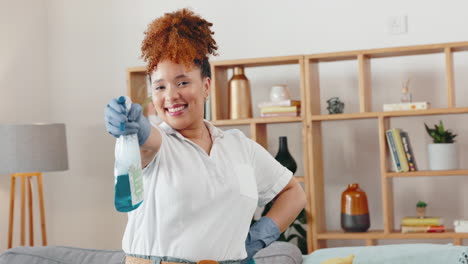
179,95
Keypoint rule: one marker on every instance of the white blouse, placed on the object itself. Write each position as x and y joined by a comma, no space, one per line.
198,206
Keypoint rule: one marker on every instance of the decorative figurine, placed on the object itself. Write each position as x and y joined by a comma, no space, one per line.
335,106
421,209
406,96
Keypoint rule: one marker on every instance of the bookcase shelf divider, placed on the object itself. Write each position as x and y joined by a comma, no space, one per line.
365,90
450,78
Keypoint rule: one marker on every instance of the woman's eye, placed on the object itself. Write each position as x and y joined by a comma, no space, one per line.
182,83
157,88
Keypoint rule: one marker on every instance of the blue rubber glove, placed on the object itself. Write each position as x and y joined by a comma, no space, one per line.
261,234
134,121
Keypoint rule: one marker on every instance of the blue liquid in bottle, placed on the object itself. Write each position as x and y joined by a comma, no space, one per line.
123,196
122,189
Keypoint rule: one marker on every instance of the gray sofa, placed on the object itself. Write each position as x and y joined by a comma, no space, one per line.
276,253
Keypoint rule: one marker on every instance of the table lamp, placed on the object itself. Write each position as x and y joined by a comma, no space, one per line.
27,150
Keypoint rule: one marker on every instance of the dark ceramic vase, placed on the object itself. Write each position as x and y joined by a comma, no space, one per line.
354,210
284,157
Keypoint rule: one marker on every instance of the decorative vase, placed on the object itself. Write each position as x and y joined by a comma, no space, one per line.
443,156
284,157
239,103
354,209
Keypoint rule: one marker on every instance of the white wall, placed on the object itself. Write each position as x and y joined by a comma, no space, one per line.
24,74
87,45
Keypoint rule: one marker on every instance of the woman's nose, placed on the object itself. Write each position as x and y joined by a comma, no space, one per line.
172,93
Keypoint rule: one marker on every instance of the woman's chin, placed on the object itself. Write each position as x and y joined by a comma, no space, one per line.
176,123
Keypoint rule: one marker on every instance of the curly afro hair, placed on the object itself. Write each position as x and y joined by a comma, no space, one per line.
181,37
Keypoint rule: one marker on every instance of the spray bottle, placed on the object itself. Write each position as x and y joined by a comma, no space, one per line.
127,169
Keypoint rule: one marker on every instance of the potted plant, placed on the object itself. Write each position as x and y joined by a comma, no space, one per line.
443,153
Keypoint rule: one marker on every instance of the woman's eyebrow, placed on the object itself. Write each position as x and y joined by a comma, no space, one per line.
158,80
180,76
177,77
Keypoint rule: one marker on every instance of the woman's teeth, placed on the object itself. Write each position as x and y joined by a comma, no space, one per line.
177,109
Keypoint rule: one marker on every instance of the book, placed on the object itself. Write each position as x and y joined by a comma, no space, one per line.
406,106
423,229
408,151
396,132
278,109
393,152
397,151
416,221
280,103
279,114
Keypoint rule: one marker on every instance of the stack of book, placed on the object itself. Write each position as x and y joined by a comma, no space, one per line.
400,150
422,225
281,108
406,106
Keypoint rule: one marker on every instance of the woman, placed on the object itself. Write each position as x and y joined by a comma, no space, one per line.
202,184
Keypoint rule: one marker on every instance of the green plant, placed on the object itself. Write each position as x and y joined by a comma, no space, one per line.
421,204
294,231
439,134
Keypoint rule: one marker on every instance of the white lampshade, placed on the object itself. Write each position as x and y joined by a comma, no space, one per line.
33,148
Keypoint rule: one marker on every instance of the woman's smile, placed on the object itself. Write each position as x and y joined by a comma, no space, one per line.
176,110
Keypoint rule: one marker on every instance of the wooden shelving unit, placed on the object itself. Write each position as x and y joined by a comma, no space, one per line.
318,234
312,119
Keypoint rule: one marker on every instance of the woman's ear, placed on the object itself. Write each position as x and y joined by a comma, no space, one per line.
206,87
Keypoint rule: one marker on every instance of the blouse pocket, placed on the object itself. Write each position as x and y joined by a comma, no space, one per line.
247,182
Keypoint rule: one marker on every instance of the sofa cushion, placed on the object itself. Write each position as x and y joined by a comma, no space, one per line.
276,253
280,253
60,255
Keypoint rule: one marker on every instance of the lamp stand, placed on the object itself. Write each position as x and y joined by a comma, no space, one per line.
26,177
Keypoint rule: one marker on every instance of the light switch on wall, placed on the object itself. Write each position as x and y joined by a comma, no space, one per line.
398,25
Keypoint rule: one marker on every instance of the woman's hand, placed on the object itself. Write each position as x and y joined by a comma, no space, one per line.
287,206
261,234
133,121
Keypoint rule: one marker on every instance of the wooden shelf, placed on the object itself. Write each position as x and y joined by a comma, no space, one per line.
450,234
426,173
396,234
437,111
345,116
258,62
367,115
259,120
372,234
389,52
